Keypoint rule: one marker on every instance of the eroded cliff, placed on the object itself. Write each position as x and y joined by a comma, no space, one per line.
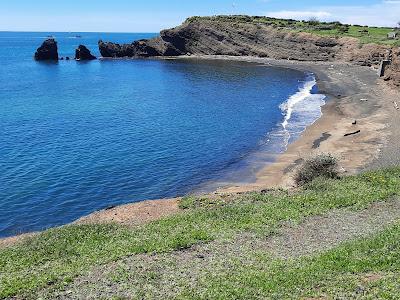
225,36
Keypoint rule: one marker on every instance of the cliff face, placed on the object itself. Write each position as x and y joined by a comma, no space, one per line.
223,38
205,36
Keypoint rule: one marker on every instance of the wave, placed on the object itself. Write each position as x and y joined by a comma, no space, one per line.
301,110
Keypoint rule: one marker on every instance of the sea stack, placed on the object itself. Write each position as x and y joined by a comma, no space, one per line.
47,51
83,53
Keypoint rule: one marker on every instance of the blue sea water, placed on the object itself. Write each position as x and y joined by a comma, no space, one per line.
76,137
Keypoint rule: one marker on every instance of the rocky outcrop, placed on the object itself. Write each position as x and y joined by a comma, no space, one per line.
141,48
208,36
227,36
83,53
47,51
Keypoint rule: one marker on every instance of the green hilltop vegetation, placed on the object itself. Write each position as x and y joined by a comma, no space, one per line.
153,261
365,34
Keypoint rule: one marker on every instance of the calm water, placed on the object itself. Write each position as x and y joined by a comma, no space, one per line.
76,137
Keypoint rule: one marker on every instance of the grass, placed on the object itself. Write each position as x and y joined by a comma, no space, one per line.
376,35
57,256
365,34
362,269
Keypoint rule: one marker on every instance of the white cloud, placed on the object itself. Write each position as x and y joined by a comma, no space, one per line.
386,13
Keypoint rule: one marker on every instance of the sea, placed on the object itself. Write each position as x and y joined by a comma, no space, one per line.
77,137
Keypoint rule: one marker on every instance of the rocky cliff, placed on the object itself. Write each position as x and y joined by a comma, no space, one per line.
219,36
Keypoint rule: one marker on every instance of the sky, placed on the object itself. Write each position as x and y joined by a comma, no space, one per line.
154,15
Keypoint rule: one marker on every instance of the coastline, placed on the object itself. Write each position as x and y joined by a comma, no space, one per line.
354,92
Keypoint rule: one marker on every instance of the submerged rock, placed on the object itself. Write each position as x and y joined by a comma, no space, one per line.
83,53
47,51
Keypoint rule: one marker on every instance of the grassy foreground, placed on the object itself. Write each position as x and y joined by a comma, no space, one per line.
54,258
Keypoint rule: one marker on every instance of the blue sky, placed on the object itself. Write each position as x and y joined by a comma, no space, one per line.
151,16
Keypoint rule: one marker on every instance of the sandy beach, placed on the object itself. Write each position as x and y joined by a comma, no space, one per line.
358,101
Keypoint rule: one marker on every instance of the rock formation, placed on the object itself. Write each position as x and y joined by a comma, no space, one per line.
83,53
215,36
47,51
229,36
141,48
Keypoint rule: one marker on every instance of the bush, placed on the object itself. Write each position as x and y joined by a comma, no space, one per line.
313,21
343,28
324,27
323,165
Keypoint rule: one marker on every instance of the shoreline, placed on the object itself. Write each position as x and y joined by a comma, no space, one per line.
266,154
355,94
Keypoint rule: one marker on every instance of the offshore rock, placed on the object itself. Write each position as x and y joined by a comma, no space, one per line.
83,53
47,51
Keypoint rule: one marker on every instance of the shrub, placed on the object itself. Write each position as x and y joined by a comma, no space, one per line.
324,27
343,28
313,21
323,165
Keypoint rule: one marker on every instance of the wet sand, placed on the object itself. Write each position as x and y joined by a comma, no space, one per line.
355,94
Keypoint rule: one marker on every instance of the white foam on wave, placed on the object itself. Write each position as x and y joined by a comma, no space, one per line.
300,111
306,105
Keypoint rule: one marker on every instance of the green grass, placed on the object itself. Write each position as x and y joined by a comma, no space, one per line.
376,35
58,255
364,269
364,34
